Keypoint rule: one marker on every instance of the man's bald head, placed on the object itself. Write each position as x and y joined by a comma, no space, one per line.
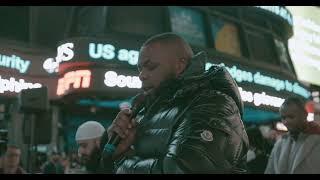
162,58
174,42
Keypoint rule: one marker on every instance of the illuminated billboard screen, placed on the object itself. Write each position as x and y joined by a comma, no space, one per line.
304,46
12,84
94,50
259,88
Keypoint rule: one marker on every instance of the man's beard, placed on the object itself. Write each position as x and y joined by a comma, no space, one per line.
169,82
166,87
93,161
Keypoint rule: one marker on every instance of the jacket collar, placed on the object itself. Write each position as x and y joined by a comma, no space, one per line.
169,88
194,69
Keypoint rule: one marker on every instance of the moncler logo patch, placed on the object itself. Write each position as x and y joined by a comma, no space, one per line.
206,135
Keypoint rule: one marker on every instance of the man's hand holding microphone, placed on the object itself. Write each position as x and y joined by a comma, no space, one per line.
125,127
121,133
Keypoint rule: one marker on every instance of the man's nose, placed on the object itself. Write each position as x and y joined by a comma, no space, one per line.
142,76
79,152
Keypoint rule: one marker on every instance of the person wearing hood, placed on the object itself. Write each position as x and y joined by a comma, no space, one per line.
190,121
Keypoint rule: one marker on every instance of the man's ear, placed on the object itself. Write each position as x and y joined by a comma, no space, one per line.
181,65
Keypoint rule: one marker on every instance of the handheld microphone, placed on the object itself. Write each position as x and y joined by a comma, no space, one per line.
137,105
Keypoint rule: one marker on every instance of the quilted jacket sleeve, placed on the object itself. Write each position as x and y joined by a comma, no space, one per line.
209,139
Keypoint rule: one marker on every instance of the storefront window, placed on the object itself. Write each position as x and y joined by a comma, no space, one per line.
225,37
89,21
15,22
189,24
283,56
261,46
142,20
255,19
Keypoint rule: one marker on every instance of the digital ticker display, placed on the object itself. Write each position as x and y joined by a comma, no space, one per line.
304,46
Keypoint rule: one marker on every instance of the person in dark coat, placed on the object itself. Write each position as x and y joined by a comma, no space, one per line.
191,121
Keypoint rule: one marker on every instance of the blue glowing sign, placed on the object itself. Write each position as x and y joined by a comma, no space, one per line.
14,62
96,51
14,85
264,80
106,104
109,52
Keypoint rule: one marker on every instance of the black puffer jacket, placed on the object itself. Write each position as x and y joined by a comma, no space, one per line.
192,126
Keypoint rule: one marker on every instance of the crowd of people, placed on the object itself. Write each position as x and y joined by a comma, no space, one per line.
188,121
196,119
53,163
266,154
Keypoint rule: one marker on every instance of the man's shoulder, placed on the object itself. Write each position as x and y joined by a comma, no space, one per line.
315,137
284,138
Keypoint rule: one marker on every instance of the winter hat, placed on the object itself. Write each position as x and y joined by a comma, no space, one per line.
89,130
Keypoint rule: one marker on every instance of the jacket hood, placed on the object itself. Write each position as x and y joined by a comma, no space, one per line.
217,78
195,78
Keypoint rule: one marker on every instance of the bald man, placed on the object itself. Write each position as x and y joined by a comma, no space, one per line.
191,119
88,137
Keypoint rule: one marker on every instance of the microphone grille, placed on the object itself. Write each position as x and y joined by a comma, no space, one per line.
138,102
